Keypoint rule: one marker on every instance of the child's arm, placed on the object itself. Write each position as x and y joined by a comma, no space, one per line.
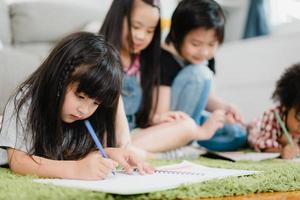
123,134
91,167
232,113
163,101
122,128
162,112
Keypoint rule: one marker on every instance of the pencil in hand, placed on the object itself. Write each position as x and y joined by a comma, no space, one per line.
285,131
92,132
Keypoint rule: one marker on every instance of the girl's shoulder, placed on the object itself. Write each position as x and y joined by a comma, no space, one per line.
169,50
166,56
11,105
270,113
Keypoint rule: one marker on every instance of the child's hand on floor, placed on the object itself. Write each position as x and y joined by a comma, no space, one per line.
94,167
214,122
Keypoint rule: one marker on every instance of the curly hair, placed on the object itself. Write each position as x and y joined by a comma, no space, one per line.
287,91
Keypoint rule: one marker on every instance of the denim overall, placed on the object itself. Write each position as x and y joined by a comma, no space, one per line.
189,93
132,97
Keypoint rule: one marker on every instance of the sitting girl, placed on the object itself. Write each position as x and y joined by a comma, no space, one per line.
197,30
43,130
266,134
133,27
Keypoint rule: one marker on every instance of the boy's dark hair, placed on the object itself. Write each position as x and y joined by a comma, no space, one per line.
287,91
112,30
193,14
82,58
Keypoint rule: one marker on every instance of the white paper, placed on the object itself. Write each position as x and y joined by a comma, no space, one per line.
253,156
176,175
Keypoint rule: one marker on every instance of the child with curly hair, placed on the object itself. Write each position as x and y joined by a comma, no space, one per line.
266,134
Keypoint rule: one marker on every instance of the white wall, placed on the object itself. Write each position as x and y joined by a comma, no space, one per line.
248,69
236,12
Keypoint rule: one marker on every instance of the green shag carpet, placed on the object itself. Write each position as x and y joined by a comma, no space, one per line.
277,175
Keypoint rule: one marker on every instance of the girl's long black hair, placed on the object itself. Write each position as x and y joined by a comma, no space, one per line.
112,30
82,58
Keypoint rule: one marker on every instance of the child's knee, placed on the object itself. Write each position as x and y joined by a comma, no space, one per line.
189,125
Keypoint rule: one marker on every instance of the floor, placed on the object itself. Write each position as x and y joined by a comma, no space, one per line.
263,196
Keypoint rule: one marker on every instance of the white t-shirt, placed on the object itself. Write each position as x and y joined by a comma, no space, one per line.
14,134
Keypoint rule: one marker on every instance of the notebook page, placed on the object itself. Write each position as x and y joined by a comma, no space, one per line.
135,184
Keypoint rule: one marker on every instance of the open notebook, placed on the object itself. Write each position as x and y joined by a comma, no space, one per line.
166,177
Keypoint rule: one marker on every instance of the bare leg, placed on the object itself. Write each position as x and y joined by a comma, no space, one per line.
167,136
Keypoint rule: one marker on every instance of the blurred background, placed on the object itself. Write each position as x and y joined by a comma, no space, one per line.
262,38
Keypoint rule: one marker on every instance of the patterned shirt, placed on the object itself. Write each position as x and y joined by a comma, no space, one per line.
265,132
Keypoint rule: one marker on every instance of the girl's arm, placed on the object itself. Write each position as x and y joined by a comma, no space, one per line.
233,115
214,102
122,128
123,133
164,99
91,167
162,112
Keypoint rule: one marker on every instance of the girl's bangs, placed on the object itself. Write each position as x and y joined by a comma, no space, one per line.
99,83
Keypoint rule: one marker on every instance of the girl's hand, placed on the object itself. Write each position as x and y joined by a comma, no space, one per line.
283,140
214,122
290,151
169,116
128,160
233,115
94,167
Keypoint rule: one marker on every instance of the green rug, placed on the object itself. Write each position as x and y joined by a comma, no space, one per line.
278,175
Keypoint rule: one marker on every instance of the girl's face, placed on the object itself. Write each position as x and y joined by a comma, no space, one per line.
293,123
77,106
144,19
199,45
